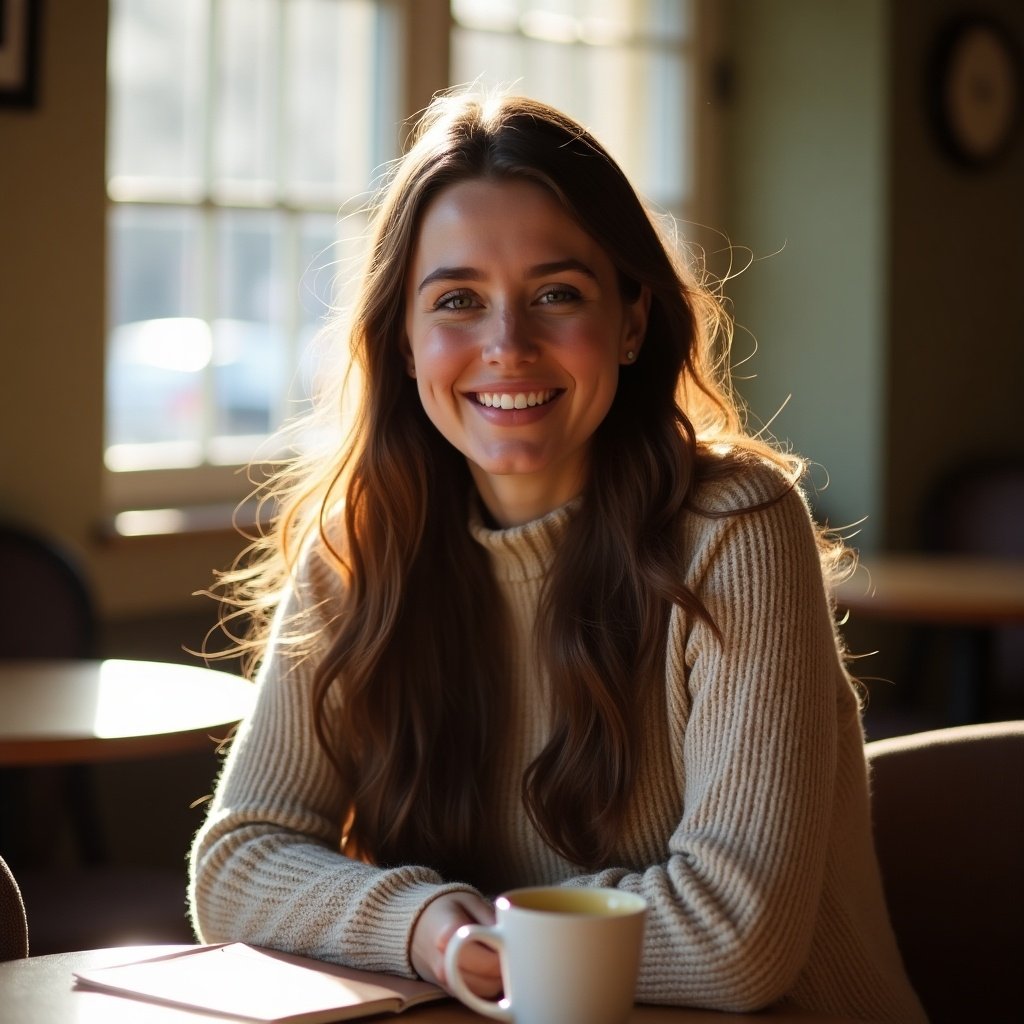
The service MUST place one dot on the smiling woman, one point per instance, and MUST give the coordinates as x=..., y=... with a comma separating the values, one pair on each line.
x=520, y=619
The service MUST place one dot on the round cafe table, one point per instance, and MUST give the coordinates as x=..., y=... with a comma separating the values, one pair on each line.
x=62, y=712
x=966, y=597
x=945, y=590
x=40, y=990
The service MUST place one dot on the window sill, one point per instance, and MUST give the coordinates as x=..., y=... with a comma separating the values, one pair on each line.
x=227, y=518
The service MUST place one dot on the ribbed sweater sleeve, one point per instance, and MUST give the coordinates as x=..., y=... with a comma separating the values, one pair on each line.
x=267, y=867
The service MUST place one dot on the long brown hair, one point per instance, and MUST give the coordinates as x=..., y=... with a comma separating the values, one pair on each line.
x=419, y=642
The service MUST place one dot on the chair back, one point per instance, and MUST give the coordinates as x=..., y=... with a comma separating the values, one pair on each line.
x=948, y=810
x=13, y=922
x=48, y=609
x=48, y=612
x=978, y=509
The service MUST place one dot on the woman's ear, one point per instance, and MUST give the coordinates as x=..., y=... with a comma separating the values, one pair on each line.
x=635, y=327
x=406, y=350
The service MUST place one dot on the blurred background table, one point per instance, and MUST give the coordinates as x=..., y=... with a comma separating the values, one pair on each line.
x=70, y=711
x=935, y=588
x=63, y=720
x=967, y=610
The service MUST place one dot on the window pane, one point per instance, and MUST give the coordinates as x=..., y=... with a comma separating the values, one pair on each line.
x=584, y=20
x=159, y=347
x=247, y=87
x=649, y=134
x=155, y=387
x=620, y=67
x=318, y=267
x=499, y=14
x=249, y=357
x=332, y=100
x=154, y=270
x=333, y=253
x=603, y=87
x=488, y=58
x=671, y=19
x=157, y=72
x=669, y=166
x=317, y=270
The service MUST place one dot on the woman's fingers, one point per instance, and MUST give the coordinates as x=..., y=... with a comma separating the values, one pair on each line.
x=483, y=985
x=480, y=968
x=438, y=922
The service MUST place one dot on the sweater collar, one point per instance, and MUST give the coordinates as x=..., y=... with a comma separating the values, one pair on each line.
x=522, y=552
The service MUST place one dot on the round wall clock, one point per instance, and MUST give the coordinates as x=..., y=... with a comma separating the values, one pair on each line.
x=976, y=85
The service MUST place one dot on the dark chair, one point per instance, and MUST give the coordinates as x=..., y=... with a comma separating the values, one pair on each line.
x=13, y=923
x=48, y=608
x=48, y=613
x=948, y=810
x=977, y=509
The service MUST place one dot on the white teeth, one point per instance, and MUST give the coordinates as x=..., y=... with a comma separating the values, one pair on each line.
x=520, y=400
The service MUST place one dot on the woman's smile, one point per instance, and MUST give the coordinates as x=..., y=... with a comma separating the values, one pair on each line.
x=519, y=400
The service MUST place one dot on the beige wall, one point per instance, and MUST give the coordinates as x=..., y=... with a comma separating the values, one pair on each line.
x=806, y=195
x=51, y=280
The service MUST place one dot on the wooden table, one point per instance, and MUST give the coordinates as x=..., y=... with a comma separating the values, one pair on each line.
x=938, y=589
x=968, y=597
x=40, y=991
x=62, y=712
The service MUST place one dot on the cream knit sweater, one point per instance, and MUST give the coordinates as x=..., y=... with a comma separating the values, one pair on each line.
x=749, y=831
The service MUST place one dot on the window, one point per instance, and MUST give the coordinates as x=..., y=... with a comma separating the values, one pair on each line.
x=238, y=129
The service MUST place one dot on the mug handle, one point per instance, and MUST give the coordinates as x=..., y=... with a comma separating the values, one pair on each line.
x=489, y=936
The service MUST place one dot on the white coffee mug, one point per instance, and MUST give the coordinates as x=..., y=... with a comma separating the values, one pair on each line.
x=568, y=955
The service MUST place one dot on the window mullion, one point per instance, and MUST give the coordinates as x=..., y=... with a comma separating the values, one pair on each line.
x=288, y=257
x=211, y=222
x=282, y=97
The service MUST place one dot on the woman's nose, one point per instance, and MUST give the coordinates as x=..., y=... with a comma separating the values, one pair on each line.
x=509, y=341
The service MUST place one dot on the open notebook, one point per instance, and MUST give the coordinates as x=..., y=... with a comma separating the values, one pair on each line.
x=238, y=980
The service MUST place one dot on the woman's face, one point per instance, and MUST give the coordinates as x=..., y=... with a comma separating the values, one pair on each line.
x=515, y=331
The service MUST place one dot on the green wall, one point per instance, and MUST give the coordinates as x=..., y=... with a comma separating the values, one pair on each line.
x=884, y=295
x=806, y=193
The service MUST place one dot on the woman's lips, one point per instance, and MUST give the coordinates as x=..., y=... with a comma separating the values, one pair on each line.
x=515, y=408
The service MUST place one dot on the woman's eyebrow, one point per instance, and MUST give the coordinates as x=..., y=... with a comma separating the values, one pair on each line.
x=539, y=270
x=450, y=274
x=558, y=266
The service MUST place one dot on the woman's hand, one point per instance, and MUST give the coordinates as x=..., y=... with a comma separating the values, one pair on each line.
x=441, y=919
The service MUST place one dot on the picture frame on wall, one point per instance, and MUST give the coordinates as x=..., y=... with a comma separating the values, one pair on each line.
x=19, y=52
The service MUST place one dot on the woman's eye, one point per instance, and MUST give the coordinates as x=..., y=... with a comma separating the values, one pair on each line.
x=552, y=295
x=455, y=300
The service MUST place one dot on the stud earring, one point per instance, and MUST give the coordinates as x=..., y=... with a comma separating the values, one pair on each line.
x=630, y=356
